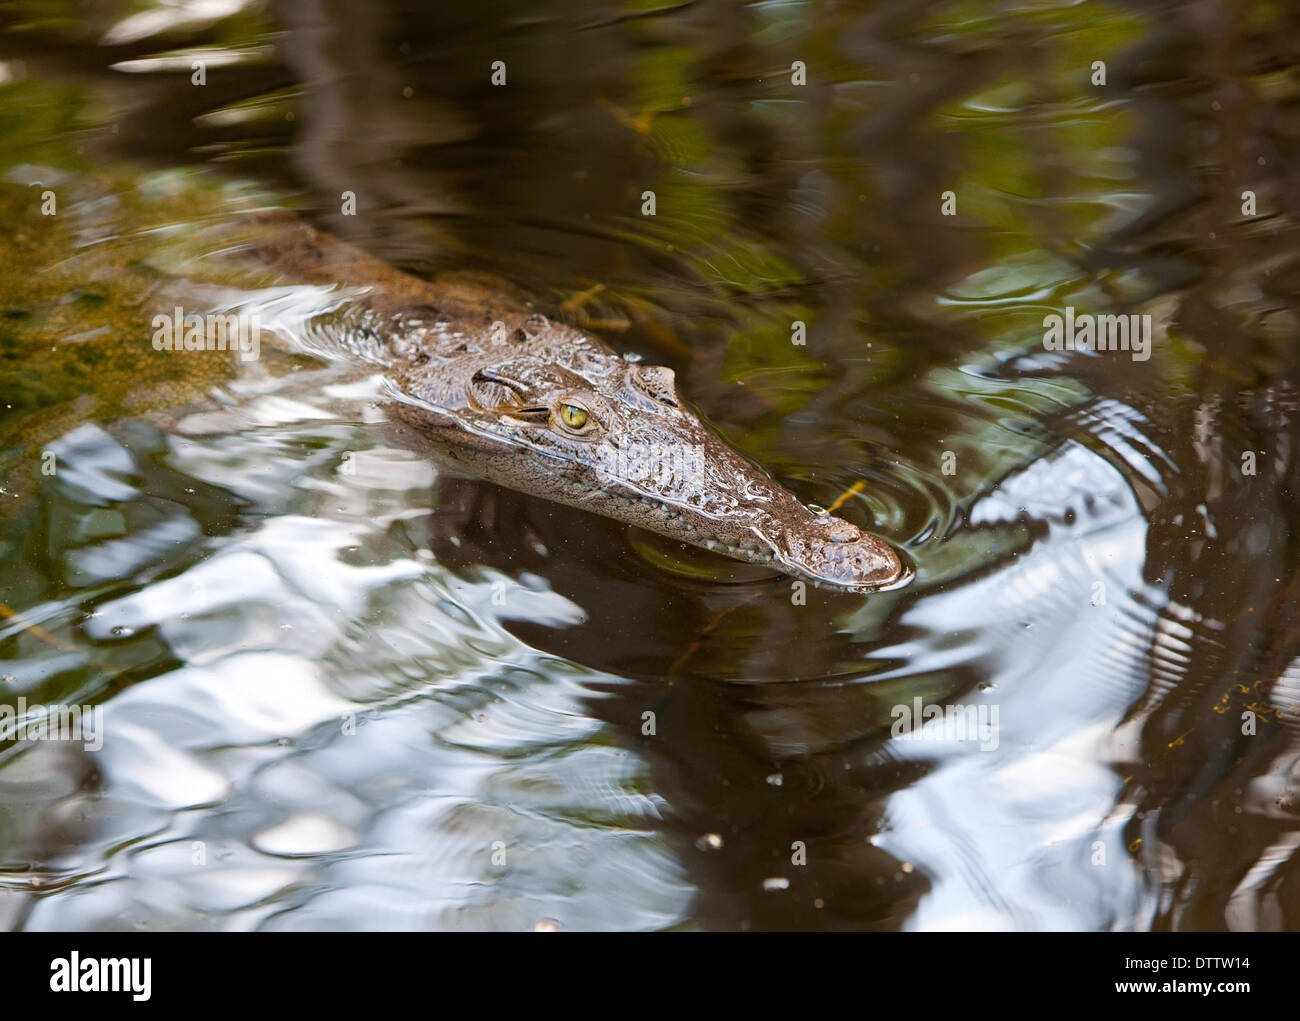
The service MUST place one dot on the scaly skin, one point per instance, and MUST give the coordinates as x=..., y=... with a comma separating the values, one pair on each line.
x=545, y=409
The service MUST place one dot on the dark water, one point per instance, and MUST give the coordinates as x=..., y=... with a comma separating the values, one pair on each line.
x=341, y=690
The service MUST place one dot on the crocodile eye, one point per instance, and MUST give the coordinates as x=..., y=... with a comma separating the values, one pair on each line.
x=573, y=416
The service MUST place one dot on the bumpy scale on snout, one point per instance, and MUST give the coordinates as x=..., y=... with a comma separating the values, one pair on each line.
x=539, y=407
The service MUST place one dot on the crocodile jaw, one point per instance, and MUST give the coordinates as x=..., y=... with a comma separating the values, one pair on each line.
x=776, y=531
x=818, y=547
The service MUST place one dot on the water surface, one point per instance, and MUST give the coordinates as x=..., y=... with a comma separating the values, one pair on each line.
x=344, y=689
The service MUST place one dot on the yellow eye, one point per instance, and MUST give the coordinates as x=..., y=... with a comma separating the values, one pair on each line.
x=573, y=416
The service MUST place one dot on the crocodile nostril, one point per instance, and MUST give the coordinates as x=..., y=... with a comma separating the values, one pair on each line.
x=844, y=531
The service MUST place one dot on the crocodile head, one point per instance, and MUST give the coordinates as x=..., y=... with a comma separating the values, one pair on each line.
x=543, y=408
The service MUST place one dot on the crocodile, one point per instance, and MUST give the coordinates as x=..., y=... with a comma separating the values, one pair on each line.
x=489, y=384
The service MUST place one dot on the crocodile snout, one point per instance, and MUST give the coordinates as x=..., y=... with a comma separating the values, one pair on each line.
x=836, y=552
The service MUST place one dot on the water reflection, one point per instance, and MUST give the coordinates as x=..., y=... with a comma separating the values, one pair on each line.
x=344, y=689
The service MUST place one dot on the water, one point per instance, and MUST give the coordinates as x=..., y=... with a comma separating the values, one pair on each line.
x=343, y=689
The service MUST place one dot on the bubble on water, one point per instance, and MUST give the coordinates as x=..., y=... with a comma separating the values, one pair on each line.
x=710, y=842
x=775, y=779
x=774, y=883
x=121, y=631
